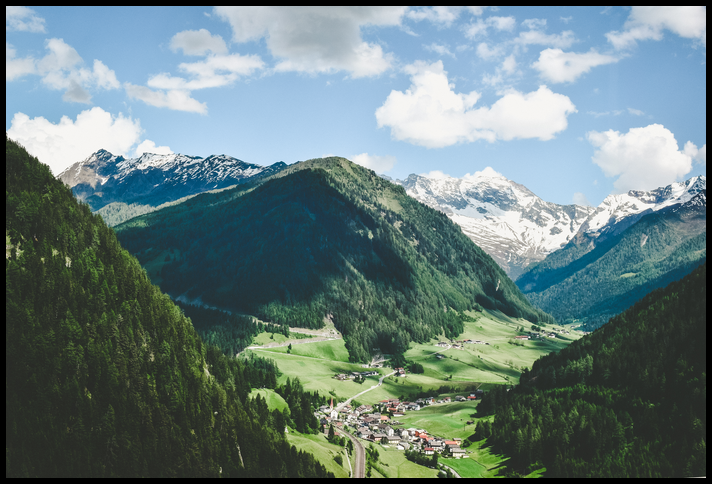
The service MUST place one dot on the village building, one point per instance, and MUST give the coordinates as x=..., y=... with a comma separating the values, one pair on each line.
x=428, y=451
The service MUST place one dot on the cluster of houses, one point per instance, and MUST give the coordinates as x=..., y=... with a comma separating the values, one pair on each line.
x=373, y=423
x=460, y=344
x=355, y=374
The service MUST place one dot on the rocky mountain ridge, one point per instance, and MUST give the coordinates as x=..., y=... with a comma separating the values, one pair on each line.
x=517, y=228
x=152, y=179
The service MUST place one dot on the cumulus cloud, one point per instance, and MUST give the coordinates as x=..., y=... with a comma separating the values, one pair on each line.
x=15, y=68
x=23, y=19
x=697, y=155
x=442, y=15
x=316, y=39
x=484, y=51
x=480, y=27
x=558, y=66
x=60, y=70
x=648, y=23
x=643, y=158
x=175, y=99
x=487, y=172
x=379, y=164
x=214, y=71
x=66, y=142
x=148, y=146
x=198, y=42
x=430, y=113
x=580, y=199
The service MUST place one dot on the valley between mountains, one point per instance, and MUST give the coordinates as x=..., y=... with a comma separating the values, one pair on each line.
x=336, y=306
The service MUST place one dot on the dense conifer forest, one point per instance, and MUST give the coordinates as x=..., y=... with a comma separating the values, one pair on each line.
x=105, y=376
x=629, y=400
x=324, y=240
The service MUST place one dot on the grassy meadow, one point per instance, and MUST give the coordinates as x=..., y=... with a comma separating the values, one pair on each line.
x=324, y=451
x=274, y=400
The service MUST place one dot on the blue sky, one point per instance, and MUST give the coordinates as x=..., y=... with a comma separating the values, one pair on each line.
x=574, y=103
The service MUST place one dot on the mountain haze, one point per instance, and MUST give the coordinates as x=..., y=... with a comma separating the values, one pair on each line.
x=325, y=239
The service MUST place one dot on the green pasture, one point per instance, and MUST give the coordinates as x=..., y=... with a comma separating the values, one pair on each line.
x=392, y=463
x=316, y=373
x=274, y=400
x=466, y=467
x=333, y=350
x=322, y=450
x=448, y=420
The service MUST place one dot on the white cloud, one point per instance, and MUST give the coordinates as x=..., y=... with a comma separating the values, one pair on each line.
x=566, y=20
x=487, y=172
x=148, y=146
x=698, y=155
x=580, y=199
x=636, y=112
x=431, y=114
x=509, y=65
x=15, y=68
x=480, y=27
x=214, y=71
x=175, y=99
x=439, y=49
x=648, y=23
x=443, y=15
x=23, y=19
x=316, y=39
x=562, y=40
x=558, y=66
x=502, y=23
x=59, y=145
x=642, y=159
x=379, y=164
x=534, y=23
x=60, y=71
x=484, y=52
x=198, y=42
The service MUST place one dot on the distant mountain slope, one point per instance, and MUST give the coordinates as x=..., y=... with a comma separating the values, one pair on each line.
x=628, y=400
x=325, y=238
x=607, y=267
x=104, y=375
x=154, y=179
x=504, y=218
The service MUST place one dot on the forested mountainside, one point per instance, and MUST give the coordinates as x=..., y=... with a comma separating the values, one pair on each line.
x=105, y=376
x=629, y=400
x=593, y=280
x=325, y=239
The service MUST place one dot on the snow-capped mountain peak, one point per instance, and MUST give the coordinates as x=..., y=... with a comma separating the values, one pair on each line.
x=103, y=178
x=506, y=219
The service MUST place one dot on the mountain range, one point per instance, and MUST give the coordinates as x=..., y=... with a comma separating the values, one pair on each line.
x=152, y=179
x=505, y=218
x=325, y=239
x=517, y=228
x=551, y=250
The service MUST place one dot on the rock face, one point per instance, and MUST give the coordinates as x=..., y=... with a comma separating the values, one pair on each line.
x=511, y=224
x=153, y=179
